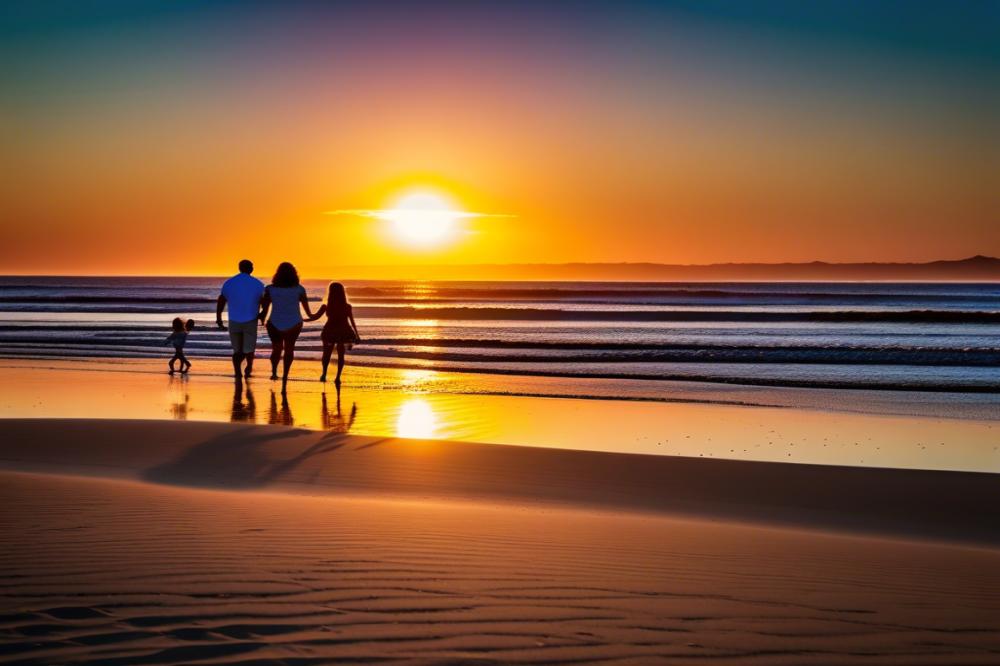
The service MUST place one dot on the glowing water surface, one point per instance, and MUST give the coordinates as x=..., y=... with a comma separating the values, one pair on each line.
x=424, y=404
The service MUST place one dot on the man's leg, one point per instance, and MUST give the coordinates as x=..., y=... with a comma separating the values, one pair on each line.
x=249, y=346
x=236, y=339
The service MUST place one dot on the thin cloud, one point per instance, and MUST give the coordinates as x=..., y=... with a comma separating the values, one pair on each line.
x=386, y=213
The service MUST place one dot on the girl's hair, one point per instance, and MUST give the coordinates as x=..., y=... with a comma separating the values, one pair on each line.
x=336, y=299
x=285, y=276
x=178, y=324
x=189, y=324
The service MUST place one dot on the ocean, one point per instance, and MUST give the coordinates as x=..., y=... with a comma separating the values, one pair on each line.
x=921, y=336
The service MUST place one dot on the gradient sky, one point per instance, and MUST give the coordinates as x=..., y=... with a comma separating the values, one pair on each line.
x=176, y=137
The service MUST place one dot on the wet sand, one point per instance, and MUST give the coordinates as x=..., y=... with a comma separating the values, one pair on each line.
x=740, y=423
x=159, y=542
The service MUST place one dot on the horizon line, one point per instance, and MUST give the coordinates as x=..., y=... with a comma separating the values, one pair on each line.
x=584, y=265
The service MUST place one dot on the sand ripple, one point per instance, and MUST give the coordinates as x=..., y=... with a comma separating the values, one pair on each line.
x=115, y=572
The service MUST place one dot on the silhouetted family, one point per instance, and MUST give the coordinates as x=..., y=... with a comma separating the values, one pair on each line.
x=249, y=303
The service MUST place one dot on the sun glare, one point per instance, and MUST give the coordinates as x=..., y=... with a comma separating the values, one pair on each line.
x=423, y=219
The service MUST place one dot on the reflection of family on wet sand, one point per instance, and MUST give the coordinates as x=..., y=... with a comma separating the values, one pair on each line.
x=244, y=410
x=250, y=302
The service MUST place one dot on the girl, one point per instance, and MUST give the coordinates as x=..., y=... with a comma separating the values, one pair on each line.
x=283, y=297
x=340, y=331
x=177, y=338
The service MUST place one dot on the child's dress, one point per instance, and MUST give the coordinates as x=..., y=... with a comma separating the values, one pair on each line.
x=177, y=339
x=337, y=329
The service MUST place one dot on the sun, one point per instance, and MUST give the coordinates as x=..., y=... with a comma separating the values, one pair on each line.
x=423, y=219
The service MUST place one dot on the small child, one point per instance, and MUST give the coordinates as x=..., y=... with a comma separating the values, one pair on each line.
x=177, y=338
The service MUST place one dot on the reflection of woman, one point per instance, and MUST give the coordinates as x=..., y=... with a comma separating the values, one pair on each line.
x=283, y=297
x=281, y=416
x=340, y=331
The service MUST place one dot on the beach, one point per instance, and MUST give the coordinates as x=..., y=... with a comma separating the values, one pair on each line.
x=260, y=578
x=150, y=519
x=156, y=542
x=749, y=473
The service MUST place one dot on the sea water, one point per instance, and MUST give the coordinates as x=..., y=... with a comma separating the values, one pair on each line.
x=925, y=336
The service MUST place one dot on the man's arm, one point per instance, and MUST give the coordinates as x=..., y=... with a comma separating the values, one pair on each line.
x=219, y=307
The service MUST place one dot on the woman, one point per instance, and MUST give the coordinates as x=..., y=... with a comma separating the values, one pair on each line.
x=340, y=331
x=283, y=297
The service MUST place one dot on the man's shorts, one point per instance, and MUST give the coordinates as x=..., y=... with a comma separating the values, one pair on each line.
x=243, y=335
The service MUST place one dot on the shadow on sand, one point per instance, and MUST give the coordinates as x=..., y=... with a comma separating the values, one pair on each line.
x=246, y=458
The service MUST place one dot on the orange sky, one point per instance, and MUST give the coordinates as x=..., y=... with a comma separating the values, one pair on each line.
x=177, y=145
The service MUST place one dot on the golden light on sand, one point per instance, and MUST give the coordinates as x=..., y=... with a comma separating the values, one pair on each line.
x=416, y=420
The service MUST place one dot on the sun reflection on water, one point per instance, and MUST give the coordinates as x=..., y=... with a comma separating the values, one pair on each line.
x=420, y=323
x=416, y=420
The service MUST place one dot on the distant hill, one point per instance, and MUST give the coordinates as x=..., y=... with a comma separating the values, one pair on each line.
x=973, y=269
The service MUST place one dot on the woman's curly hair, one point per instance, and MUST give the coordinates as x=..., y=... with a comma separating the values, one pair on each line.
x=285, y=276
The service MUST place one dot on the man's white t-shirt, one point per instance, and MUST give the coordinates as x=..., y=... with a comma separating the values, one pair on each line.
x=243, y=293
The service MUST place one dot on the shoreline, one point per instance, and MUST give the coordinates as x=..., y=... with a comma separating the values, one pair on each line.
x=975, y=405
x=447, y=366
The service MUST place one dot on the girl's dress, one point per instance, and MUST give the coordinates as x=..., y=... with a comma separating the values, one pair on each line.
x=337, y=329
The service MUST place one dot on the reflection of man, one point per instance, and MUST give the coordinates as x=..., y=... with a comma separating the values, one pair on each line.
x=241, y=412
x=242, y=293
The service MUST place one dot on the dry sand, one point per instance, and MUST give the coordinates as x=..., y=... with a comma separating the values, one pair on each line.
x=159, y=542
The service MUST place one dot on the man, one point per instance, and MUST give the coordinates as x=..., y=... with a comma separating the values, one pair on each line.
x=242, y=293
